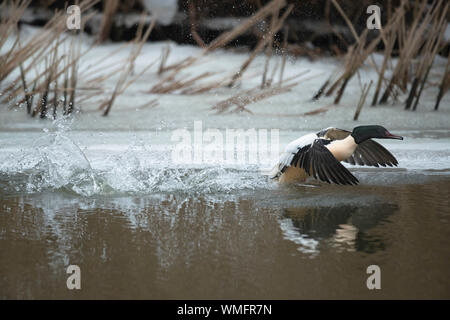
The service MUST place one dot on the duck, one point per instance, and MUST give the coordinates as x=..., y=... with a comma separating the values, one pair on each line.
x=319, y=155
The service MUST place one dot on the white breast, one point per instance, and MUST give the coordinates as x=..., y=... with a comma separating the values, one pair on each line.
x=342, y=149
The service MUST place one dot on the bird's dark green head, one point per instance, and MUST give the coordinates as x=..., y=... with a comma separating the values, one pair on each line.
x=362, y=133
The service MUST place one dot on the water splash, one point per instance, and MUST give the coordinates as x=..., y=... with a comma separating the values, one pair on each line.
x=57, y=162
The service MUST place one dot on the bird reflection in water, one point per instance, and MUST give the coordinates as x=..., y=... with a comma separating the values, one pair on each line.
x=344, y=227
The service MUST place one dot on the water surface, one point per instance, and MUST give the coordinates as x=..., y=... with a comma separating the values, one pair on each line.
x=140, y=227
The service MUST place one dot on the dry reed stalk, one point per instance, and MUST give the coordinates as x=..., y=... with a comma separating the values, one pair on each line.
x=102, y=77
x=347, y=20
x=445, y=84
x=39, y=43
x=261, y=44
x=55, y=91
x=109, y=10
x=43, y=74
x=168, y=83
x=15, y=90
x=53, y=78
x=241, y=100
x=98, y=63
x=246, y=97
x=411, y=40
x=418, y=73
x=9, y=21
x=122, y=89
x=429, y=52
x=193, y=22
x=136, y=50
x=355, y=59
x=73, y=79
x=284, y=55
x=206, y=87
x=41, y=48
x=269, y=81
x=25, y=89
x=66, y=84
x=389, y=45
x=136, y=77
x=261, y=14
x=38, y=56
x=325, y=85
x=185, y=82
x=321, y=90
x=9, y=25
x=150, y=104
x=318, y=111
x=164, y=56
x=176, y=68
x=362, y=99
x=389, y=38
x=86, y=97
x=44, y=101
x=74, y=75
x=264, y=81
x=269, y=48
x=356, y=56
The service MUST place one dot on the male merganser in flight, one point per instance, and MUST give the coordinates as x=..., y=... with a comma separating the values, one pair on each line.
x=319, y=155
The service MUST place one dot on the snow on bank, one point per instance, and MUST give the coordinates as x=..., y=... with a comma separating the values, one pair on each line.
x=283, y=111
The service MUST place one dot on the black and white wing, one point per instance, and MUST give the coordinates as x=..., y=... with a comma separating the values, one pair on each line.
x=371, y=153
x=310, y=154
x=367, y=153
x=320, y=163
x=290, y=151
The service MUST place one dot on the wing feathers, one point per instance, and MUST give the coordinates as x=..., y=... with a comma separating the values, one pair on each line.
x=318, y=162
x=371, y=153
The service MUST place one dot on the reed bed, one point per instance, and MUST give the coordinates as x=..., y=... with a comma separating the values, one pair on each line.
x=46, y=75
x=49, y=65
x=43, y=49
x=416, y=44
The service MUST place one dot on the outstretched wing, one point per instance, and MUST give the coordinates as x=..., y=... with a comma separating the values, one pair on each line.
x=371, y=153
x=289, y=152
x=367, y=153
x=320, y=163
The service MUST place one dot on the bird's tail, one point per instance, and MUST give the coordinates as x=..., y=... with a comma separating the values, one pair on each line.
x=275, y=173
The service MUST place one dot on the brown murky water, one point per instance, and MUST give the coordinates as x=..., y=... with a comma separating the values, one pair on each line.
x=289, y=243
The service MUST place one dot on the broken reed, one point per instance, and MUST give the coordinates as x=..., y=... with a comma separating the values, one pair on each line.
x=246, y=97
x=416, y=44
